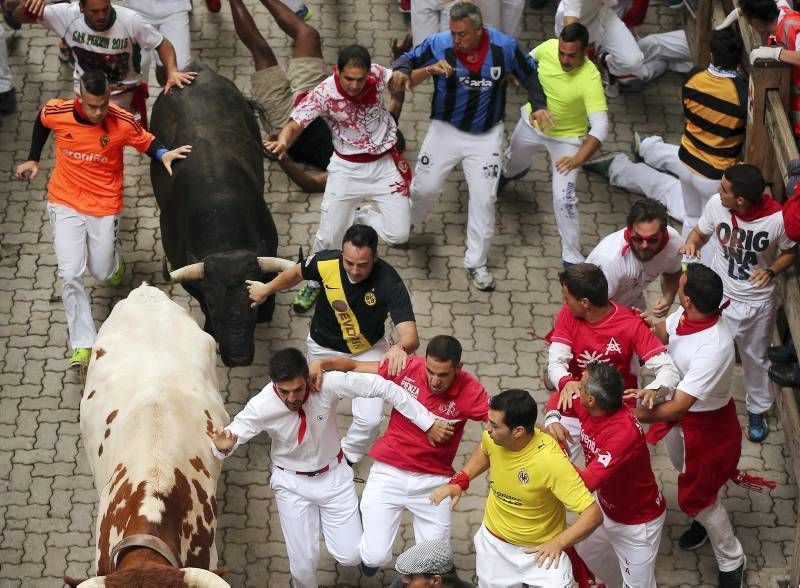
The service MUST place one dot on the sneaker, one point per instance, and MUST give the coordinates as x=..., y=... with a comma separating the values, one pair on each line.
x=636, y=147
x=80, y=357
x=601, y=167
x=782, y=354
x=8, y=102
x=481, y=278
x=304, y=13
x=757, y=428
x=306, y=298
x=693, y=538
x=405, y=6
x=734, y=578
x=368, y=571
x=119, y=274
x=214, y=5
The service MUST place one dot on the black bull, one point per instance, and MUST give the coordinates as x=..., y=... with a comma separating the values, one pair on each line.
x=214, y=221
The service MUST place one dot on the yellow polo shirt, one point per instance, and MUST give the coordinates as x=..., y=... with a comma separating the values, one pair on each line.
x=529, y=490
x=571, y=95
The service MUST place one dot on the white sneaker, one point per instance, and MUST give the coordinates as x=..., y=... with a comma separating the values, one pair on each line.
x=481, y=278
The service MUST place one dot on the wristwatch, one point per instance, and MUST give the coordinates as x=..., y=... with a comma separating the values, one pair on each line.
x=771, y=273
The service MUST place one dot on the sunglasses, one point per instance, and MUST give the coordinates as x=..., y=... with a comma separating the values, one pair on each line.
x=650, y=240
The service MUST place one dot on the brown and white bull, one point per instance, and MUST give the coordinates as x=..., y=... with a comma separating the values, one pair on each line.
x=151, y=386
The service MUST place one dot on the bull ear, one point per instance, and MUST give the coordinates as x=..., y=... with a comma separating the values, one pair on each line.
x=165, y=270
x=270, y=265
x=98, y=582
x=188, y=273
x=198, y=578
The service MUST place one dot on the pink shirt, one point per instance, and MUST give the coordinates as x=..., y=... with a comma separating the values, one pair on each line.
x=404, y=445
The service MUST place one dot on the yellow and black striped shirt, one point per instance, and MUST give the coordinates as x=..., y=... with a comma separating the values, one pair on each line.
x=715, y=108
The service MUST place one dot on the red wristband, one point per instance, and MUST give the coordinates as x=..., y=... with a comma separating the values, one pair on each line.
x=460, y=479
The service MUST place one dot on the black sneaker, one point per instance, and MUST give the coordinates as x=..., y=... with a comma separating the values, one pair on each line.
x=734, y=578
x=693, y=538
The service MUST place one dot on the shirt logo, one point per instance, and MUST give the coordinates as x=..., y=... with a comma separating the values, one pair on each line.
x=449, y=409
x=523, y=476
x=68, y=135
x=495, y=72
x=410, y=386
x=604, y=458
x=92, y=157
x=369, y=299
x=613, y=347
x=104, y=140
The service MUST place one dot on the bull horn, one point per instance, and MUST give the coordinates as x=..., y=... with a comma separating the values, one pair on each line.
x=188, y=273
x=199, y=578
x=98, y=582
x=270, y=265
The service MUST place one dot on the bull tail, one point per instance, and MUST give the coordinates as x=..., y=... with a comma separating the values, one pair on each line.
x=261, y=116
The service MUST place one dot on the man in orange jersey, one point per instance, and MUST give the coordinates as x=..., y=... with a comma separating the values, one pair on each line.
x=85, y=192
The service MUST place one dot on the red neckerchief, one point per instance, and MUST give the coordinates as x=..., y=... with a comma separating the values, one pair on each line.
x=479, y=54
x=627, y=236
x=368, y=96
x=686, y=326
x=765, y=207
x=301, y=415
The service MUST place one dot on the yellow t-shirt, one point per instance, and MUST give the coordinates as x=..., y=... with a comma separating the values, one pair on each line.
x=571, y=95
x=529, y=489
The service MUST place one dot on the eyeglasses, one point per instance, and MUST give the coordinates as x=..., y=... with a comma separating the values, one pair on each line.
x=650, y=240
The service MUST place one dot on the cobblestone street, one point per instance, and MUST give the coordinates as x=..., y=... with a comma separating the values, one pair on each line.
x=47, y=494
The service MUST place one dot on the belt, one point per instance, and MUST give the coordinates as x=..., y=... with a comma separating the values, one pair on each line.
x=339, y=458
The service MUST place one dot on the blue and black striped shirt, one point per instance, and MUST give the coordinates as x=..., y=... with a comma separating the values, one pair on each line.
x=474, y=102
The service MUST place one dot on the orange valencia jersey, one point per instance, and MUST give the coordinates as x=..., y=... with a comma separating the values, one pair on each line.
x=88, y=172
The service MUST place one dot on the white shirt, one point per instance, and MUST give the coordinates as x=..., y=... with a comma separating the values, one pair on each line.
x=321, y=443
x=115, y=51
x=157, y=9
x=355, y=129
x=627, y=276
x=705, y=362
x=587, y=10
x=757, y=244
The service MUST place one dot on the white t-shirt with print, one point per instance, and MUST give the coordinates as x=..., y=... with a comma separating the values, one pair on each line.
x=737, y=254
x=116, y=51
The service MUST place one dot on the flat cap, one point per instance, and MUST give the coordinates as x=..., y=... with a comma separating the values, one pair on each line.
x=428, y=557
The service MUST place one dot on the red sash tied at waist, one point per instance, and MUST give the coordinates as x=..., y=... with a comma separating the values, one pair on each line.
x=404, y=169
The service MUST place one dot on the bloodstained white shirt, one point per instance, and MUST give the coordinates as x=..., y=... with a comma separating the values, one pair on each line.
x=355, y=129
x=321, y=443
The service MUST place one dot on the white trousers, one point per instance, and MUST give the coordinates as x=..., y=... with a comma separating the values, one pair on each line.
x=726, y=547
x=429, y=17
x=504, y=15
x=610, y=35
x=501, y=565
x=367, y=412
x=390, y=490
x=696, y=189
x=664, y=52
x=445, y=147
x=348, y=185
x=82, y=242
x=751, y=324
x=623, y=555
x=525, y=143
x=175, y=27
x=306, y=503
x=640, y=178
x=5, y=71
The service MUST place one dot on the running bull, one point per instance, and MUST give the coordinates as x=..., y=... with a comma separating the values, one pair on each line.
x=151, y=390
x=215, y=226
